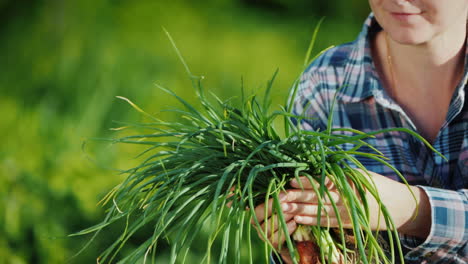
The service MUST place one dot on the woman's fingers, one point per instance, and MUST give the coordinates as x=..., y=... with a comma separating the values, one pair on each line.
x=272, y=224
x=313, y=220
x=308, y=214
x=278, y=237
x=260, y=210
x=308, y=184
x=230, y=194
x=309, y=196
x=306, y=209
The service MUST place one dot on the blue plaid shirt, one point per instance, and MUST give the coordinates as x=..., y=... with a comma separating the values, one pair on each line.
x=362, y=103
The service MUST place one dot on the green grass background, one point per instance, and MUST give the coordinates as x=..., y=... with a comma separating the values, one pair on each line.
x=63, y=63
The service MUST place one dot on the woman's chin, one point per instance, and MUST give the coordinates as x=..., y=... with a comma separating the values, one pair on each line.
x=412, y=38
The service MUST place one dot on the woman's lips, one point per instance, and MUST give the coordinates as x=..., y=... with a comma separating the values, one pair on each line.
x=405, y=17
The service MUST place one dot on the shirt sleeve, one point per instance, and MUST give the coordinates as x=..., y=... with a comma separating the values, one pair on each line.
x=447, y=240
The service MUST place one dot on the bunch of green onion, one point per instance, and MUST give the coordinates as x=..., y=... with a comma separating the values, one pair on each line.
x=222, y=154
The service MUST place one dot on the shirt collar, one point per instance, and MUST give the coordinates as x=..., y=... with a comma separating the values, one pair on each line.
x=360, y=75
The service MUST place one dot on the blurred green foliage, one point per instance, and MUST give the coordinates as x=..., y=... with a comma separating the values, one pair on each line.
x=63, y=63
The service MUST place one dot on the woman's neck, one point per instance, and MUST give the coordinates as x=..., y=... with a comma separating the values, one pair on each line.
x=439, y=61
x=421, y=78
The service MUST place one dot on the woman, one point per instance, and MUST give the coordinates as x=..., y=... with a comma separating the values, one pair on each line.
x=407, y=68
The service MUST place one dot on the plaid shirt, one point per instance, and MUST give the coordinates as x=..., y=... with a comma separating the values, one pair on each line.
x=362, y=103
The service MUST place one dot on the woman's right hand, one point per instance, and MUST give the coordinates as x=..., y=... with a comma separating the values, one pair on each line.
x=273, y=232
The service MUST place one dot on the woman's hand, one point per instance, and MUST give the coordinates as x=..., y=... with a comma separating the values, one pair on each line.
x=301, y=207
x=303, y=204
x=270, y=227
